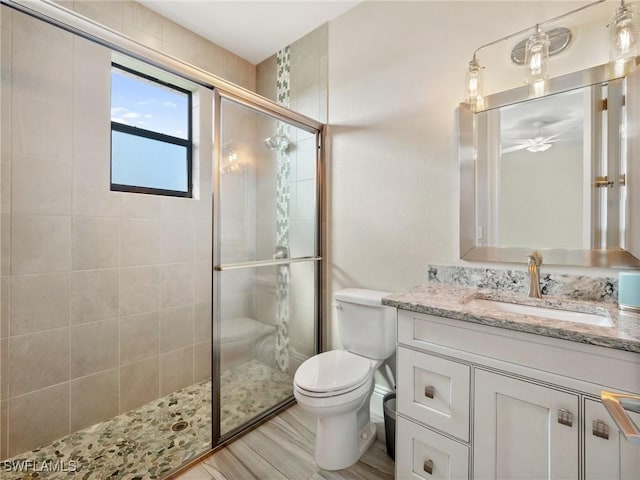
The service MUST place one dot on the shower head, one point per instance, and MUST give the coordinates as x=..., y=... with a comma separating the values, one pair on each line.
x=276, y=142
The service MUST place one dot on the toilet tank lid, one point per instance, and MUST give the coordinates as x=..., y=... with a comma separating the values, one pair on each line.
x=361, y=296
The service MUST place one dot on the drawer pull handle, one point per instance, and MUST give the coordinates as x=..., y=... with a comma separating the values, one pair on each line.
x=600, y=429
x=429, y=391
x=428, y=466
x=565, y=417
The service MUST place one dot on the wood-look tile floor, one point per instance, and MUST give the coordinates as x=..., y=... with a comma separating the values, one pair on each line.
x=282, y=449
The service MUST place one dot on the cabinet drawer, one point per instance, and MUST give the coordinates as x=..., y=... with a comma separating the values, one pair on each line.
x=424, y=454
x=434, y=391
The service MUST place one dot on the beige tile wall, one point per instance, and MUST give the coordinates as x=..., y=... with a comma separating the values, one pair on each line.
x=105, y=296
x=153, y=30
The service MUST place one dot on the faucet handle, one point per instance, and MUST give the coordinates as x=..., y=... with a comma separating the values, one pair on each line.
x=535, y=259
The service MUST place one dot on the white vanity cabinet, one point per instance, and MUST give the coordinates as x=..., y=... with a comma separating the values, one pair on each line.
x=480, y=402
x=524, y=430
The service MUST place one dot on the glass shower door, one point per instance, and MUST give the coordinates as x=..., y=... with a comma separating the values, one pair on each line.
x=266, y=260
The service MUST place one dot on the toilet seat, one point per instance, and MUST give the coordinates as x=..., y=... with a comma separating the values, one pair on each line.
x=333, y=373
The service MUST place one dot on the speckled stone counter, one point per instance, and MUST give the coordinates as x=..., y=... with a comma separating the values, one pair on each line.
x=453, y=301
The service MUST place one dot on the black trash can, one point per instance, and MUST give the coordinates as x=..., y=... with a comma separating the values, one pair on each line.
x=389, y=408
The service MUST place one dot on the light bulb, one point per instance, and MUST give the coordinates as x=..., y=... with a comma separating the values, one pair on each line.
x=623, y=33
x=473, y=85
x=537, y=57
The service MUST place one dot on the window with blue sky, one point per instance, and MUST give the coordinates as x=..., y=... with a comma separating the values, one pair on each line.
x=150, y=135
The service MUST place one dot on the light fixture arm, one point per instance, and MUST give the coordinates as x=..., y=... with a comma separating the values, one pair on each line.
x=538, y=25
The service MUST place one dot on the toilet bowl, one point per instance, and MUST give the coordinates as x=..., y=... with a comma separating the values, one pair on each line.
x=336, y=386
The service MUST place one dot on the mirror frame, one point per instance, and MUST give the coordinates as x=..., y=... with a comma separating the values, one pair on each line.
x=469, y=250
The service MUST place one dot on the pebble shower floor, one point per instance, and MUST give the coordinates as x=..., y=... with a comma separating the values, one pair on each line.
x=140, y=444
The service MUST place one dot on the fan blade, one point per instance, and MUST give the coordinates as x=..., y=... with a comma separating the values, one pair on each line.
x=514, y=149
x=546, y=139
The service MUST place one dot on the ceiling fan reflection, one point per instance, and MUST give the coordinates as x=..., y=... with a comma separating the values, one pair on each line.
x=538, y=143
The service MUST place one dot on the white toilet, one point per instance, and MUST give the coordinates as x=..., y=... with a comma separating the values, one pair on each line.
x=336, y=386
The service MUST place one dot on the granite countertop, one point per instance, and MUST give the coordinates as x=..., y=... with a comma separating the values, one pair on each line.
x=452, y=301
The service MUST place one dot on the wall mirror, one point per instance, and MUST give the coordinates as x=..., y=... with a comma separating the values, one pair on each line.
x=558, y=173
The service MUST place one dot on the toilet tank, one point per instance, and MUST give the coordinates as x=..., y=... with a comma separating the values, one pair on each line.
x=366, y=327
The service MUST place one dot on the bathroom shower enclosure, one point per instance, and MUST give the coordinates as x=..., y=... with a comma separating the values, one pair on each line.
x=139, y=331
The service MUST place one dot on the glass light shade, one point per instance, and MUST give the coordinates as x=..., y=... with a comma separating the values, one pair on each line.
x=536, y=59
x=624, y=30
x=473, y=85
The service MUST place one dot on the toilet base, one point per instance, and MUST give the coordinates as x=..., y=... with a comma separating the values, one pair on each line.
x=337, y=455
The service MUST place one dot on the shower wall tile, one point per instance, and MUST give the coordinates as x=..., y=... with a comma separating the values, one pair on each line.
x=39, y=302
x=4, y=427
x=38, y=360
x=176, y=244
x=40, y=127
x=139, y=19
x=202, y=281
x=94, y=399
x=94, y=347
x=95, y=243
x=139, y=290
x=41, y=187
x=134, y=205
x=176, y=370
x=91, y=191
x=40, y=244
x=139, y=383
x=5, y=171
x=176, y=282
x=47, y=47
x=5, y=310
x=109, y=13
x=176, y=328
x=203, y=235
x=202, y=322
x=94, y=295
x=5, y=243
x=91, y=79
x=301, y=328
x=176, y=208
x=4, y=369
x=302, y=236
x=305, y=201
x=305, y=159
x=139, y=337
x=38, y=418
x=6, y=19
x=202, y=361
x=140, y=242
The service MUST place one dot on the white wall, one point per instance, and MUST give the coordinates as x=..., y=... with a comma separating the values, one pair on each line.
x=396, y=76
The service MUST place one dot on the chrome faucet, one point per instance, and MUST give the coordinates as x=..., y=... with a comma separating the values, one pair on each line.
x=535, y=260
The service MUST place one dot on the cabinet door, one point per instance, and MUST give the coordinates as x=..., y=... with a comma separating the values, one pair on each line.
x=607, y=455
x=523, y=430
x=422, y=454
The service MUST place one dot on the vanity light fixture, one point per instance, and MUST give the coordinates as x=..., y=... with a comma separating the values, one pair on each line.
x=540, y=45
x=537, y=62
x=473, y=85
x=623, y=33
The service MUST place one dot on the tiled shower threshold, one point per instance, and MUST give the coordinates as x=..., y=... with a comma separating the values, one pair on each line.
x=141, y=445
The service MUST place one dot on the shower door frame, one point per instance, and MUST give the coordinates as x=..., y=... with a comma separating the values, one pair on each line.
x=76, y=24
x=259, y=107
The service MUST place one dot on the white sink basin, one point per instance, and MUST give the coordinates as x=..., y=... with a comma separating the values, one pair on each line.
x=599, y=320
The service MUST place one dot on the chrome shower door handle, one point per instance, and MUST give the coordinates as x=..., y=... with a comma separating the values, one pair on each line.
x=617, y=404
